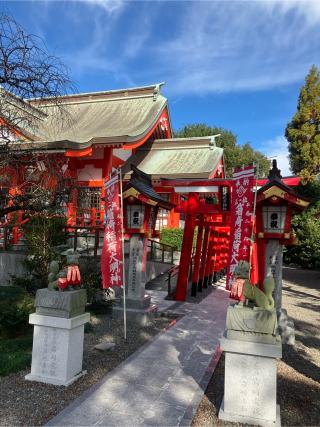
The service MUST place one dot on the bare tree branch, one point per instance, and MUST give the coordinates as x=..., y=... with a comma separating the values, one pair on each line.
x=28, y=71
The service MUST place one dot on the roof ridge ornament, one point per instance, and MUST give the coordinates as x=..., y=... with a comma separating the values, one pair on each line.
x=156, y=92
x=274, y=173
x=212, y=143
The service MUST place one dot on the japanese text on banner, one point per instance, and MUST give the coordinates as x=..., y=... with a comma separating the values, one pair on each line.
x=241, y=220
x=111, y=256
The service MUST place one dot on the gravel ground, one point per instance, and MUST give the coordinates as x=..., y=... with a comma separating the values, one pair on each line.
x=298, y=372
x=24, y=403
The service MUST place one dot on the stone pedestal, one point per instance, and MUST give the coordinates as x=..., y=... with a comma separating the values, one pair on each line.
x=57, y=348
x=139, y=307
x=141, y=317
x=251, y=324
x=250, y=382
x=61, y=304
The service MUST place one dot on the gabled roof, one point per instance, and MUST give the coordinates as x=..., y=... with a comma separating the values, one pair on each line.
x=177, y=157
x=113, y=117
x=141, y=182
x=276, y=189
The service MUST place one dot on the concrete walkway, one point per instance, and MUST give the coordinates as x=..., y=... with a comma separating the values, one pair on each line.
x=163, y=383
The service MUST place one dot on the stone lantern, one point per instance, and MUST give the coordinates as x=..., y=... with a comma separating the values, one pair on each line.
x=141, y=204
x=276, y=202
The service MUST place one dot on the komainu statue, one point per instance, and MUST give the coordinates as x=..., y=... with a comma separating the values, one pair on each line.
x=67, y=278
x=254, y=317
x=252, y=292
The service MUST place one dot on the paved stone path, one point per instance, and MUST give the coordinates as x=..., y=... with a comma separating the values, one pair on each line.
x=163, y=383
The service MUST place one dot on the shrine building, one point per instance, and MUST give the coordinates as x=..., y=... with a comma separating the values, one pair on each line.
x=101, y=131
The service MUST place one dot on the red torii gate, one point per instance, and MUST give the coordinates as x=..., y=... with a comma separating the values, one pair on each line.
x=213, y=222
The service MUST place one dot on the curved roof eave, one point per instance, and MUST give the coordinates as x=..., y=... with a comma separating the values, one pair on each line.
x=129, y=141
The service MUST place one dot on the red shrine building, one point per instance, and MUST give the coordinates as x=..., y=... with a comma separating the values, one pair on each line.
x=127, y=129
x=101, y=131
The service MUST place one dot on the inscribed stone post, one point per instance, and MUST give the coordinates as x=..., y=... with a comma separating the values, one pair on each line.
x=274, y=256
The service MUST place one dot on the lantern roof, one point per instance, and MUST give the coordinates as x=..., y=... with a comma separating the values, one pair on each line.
x=276, y=189
x=178, y=158
x=140, y=187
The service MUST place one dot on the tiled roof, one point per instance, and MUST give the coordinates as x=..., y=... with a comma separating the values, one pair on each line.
x=121, y=116
x=178, y=157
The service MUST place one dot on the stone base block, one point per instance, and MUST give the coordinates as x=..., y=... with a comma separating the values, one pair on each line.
x=138, y=303
x=57, y=350
x=229, y=416
x=61, y=304
x=250, y=391
x=49, y=380
x=140, y=316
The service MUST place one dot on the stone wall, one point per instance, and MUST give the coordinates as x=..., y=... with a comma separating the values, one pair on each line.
x=11, y=264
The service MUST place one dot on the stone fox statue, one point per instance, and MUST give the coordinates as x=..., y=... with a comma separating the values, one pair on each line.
x=67, y=277
x=261, y=298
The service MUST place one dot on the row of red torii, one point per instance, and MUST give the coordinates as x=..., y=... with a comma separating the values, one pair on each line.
x=209, y=255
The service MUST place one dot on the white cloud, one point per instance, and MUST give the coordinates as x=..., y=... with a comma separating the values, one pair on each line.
x=199, y=47
x=277, y=148
x=244, y=45
x=110, y=6
x=310, y=9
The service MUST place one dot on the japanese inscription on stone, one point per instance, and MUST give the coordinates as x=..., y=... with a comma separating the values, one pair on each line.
x=48, y=352
x=135, y=267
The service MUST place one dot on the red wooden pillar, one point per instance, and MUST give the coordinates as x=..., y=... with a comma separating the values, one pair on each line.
x=107, y=162
x=214, y=257
x=203, y=257
x=208, y=260
x=186, y=250
x=197, y=257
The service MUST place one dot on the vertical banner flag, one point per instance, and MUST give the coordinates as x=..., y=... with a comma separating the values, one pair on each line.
x=241, y=220
x=111, y=256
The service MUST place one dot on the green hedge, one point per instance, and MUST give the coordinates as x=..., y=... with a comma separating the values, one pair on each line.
x=172, y=236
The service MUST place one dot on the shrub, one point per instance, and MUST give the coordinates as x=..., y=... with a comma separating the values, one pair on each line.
x=15, y=307
x=172, y=236
x=42, y=235
x=9, y=294
x=307, y=251
x=91, y=277
x=28, y=283
x=15, y=354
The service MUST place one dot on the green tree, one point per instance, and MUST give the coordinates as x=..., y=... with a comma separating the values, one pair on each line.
x=235, y=155
x=303, y=132
x=307, y=228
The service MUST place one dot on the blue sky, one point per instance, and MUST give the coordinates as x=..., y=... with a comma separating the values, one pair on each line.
x=235, y=64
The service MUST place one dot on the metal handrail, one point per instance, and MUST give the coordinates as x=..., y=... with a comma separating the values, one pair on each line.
x=163, y=247
x=93, y=229
x=75, y=233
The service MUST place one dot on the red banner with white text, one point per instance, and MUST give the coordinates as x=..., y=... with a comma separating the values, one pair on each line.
x=241, y=221
x=111, y=256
